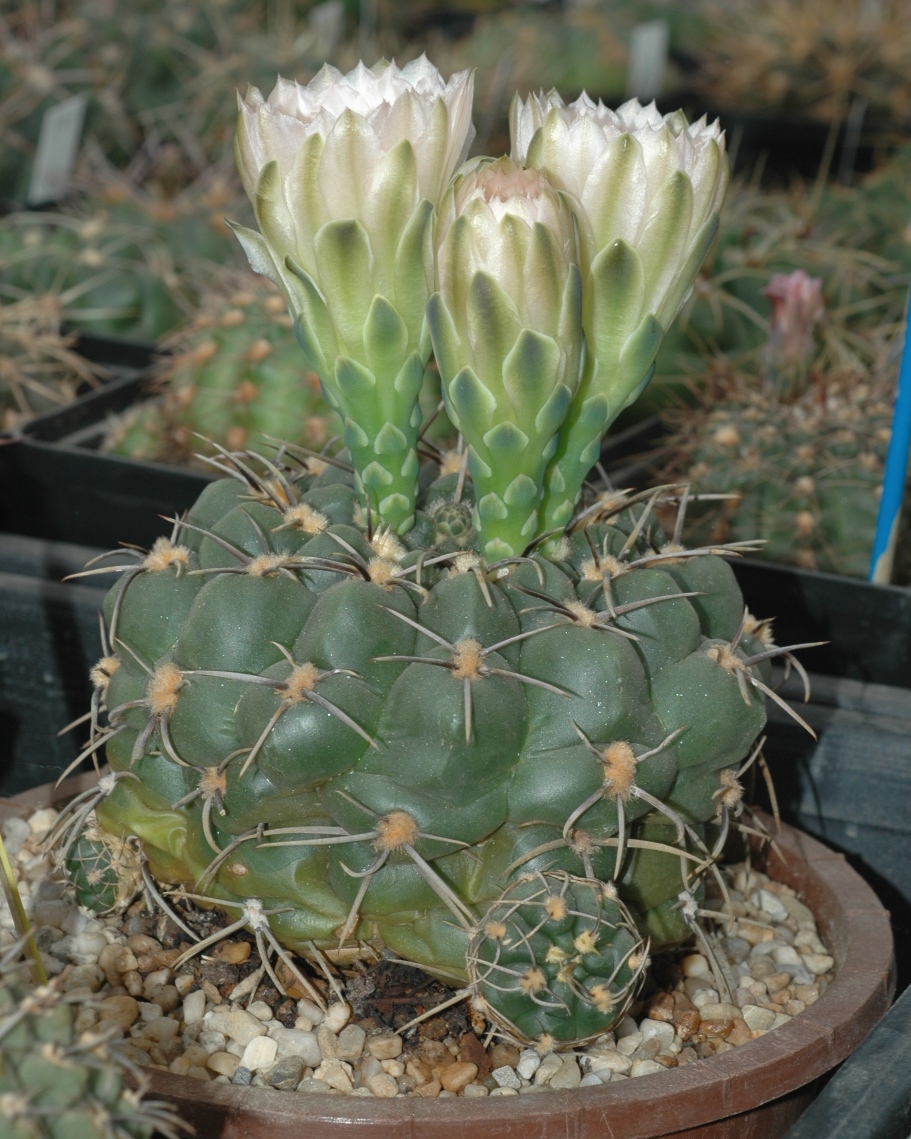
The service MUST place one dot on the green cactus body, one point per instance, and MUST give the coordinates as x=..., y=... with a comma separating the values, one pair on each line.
x=355, y=737
x=56, y=1083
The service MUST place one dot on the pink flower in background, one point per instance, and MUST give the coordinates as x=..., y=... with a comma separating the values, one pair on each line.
x=797, y=307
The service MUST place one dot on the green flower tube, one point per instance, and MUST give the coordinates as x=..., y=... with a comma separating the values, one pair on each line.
x=345, y=175
x=647, y=190
x=506, y=325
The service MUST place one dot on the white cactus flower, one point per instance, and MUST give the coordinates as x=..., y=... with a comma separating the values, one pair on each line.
x=368, y=145
x=507, y=334
x=647, y=189
x=623, y=170
x=345, y=175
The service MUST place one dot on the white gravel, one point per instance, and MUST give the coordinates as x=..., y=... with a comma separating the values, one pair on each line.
x=772, y=960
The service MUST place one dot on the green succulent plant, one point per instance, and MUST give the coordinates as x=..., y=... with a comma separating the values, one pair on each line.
x=457, y=709
x=59, y=1083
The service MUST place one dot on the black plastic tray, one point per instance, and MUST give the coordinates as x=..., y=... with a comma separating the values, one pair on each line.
x=56, y=486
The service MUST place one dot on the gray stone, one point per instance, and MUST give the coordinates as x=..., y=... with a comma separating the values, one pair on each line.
x=350, y=1043
x=507, y=1077
x=285, y=1074
x=293, y=1042
x=242, y=1076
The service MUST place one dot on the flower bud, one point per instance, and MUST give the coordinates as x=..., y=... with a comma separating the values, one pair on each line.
x=506, y=331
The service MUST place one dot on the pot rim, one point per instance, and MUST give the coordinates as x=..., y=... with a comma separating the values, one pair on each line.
x=851, y=918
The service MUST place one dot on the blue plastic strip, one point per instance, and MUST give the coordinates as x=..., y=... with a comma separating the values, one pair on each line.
x=896, y=471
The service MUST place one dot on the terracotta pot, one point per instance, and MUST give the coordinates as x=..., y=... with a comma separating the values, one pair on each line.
x=753, y=1092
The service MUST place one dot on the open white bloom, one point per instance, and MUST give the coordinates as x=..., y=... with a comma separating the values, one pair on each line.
x=647, y=189
x=623, y=169
x=369, y=145
x=345, y=175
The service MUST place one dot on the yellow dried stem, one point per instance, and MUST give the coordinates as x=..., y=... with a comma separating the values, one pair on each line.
x=165, y=555
x=601, y=998
x=100, y=674
x=20, y=919
x=619, y=764
x=381, y=571
x=586, y=942
x=451, y=463
x=730, y=793
x=582, y=615
x=555, y=907
x=387, y=546
x=300, y=682
x=532, y=981
x=266, y=564
x=305, y=518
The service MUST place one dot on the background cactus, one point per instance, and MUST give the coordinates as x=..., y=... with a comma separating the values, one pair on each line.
x=57, y=1082
x=803, y=474
x=232, y=375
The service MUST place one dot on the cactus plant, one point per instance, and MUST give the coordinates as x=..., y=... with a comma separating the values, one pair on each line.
x=355, y=700
x=232, y=375
x=808, y=56
x=59, y=1083
x=100, y=276
x=39, y=368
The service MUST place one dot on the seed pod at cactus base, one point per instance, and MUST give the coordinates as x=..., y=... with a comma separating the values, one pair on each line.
x=344, y=176
x=507, y=336
x=647, y=190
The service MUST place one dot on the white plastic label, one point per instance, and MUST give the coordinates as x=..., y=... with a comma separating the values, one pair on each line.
x=647, y=60
x=58, y=145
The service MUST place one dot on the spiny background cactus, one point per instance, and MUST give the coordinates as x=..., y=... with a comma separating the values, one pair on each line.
x=370, y=738
x=802, y=474
x=59, y=1083
x=39, y=368
x=809, y=56
x=233, y=375
x=101, y=276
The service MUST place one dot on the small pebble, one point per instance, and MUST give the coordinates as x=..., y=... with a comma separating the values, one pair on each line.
x=242, y=1076
x=385, y=1047
x=756, y=1018
x=529, y=1062
x=455, y=1077
x=350, y=1042
x=549, y=1066
x=383, y=1086
x=645, y=1068
x=568, y=1075
x=194, y=1007
x=507, y=1077
x=337, y=1016
x=818, y=963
